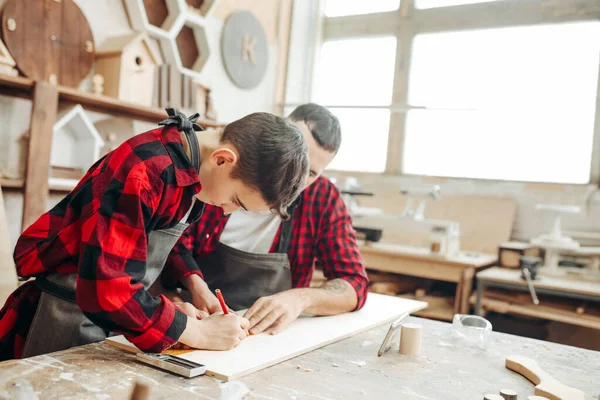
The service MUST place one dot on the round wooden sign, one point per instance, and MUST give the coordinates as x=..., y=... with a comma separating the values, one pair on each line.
x=244, y=49
x=49, y=40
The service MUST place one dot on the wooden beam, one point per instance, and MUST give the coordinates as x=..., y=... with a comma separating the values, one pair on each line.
x=283, y=54
x=43, y=117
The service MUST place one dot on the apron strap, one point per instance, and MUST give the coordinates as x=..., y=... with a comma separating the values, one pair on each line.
x=55, y=289
x=285, y=236
x=188, y=126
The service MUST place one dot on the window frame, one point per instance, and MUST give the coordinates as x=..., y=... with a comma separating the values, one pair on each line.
x=408, y=22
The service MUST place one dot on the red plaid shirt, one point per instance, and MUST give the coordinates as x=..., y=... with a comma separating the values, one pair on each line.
x=322, y=231
x=100, y=231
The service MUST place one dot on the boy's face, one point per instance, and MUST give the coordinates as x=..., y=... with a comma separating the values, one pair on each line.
x=318, y=156
x=220, y=189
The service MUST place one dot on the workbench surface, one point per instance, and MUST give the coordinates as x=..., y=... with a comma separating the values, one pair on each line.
x=349, y=369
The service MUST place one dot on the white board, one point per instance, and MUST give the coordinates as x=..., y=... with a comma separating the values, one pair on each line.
x=303, y=335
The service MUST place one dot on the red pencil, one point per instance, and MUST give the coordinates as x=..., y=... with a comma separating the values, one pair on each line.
x=220, y=297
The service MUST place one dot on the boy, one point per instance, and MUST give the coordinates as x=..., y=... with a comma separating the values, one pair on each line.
x=265, y=264
x=95, y=254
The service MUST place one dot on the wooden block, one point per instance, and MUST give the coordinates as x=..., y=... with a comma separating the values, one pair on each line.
x=492, y=397
x=508, y=394
x=410, y=339
x=538, y=398
x=43, y=116
x=174, y=87
x=546, y=385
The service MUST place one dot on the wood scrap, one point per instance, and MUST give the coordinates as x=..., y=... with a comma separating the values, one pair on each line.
x=546, y=385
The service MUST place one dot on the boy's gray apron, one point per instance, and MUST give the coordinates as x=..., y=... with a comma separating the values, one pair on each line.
x=244, y=277
x=58, y=323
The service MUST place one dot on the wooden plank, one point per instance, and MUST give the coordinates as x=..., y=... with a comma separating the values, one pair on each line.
x=424, y=254
x=561, y=284
x=175, y=78
x=302, y=336
x=413, y=267
x=108, y=105
x=283, y=52
x=540, y=311
x=43, y=117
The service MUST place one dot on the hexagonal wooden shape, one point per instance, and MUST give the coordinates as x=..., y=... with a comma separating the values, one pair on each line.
x=157, y=17
x=202, y=7
x=188, y=48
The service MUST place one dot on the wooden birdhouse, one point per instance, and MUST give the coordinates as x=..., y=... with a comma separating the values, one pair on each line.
x=76, y=146
x=128, y=66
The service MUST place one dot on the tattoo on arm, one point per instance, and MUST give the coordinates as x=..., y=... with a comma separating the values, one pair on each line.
x=335, y=286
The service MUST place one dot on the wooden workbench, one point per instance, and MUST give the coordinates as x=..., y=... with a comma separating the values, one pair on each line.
x=419, y=262
x=349, y=369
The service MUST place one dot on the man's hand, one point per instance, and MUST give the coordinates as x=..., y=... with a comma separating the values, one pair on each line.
x=202, y=298
x=276, y=312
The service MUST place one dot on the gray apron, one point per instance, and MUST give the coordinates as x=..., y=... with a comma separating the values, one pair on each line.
x=59, y=324
x=245, y=277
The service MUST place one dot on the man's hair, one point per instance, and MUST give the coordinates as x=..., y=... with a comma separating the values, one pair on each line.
x=324, y=126
x=273, y=158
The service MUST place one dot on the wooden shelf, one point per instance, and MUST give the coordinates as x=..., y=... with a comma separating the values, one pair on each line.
x=542, y=311
x=23, y=88
x=440, y=308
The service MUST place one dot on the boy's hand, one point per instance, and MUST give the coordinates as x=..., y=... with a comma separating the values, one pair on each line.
x=202, y=298
x=216, y=332
x=191, y=311
x=275, y=312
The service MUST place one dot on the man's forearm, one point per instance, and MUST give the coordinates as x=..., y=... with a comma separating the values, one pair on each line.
x=334, y=297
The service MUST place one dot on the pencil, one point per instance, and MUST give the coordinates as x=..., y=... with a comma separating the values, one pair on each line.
x=220, y=297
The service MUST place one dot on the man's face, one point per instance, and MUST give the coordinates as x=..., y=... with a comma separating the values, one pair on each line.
x=319, y=157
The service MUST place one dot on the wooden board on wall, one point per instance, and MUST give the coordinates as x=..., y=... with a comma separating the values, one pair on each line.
x=43, y=117
x=303, y=335
x=485, y=222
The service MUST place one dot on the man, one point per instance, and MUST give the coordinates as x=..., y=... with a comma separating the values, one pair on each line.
x=95, y=254
x=262, y=262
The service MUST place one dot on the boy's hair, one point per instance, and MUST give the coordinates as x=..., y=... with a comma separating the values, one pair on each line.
x=273, y=158
x=324, y=126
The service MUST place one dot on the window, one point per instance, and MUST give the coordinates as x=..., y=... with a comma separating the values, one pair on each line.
x=511, y=104
x=340, y=8
x=447, y=3
x=355, y=79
